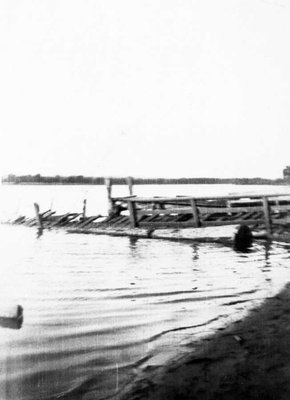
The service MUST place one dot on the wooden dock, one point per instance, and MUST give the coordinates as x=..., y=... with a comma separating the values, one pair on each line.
x=181, y=217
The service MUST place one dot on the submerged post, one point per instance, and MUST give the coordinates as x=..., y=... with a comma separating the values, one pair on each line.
x=267, y=215
x=195, y=214
x=130, y=185
x=108, y=183
x=133, y=214
x=38, y=216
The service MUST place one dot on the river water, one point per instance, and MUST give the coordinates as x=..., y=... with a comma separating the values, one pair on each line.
x=98, y=310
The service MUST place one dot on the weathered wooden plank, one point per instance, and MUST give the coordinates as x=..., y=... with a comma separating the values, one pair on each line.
x=190, y=224
x=165, y=224
x=237, y=216
x=31, y=222
x=60, y=219
x=220, y=197
x=116, y=219
x=151, y=218
x=249, y=215
x=88, y=221
x=228, y=210
x=183, y=217
x=121, y=221
x=277, y=208
x=232, y=222
x=185, y=210
x=258, y=215
x=208, y=210
x=48, y=216
x=20, y=220
x=209, y=217
x=69, y=219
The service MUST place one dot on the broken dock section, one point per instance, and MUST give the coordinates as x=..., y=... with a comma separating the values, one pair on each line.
x=181, y=217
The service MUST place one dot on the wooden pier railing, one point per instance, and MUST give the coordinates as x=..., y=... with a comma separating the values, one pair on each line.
x=187, y=211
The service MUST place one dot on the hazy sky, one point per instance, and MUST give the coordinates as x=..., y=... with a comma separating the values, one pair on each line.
x=145, y=87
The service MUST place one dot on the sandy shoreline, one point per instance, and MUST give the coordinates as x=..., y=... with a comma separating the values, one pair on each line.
x=248, y=360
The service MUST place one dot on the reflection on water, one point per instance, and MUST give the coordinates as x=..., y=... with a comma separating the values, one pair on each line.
x=98, y=309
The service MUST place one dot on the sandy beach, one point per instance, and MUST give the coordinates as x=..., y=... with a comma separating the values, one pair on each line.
x=248, y=360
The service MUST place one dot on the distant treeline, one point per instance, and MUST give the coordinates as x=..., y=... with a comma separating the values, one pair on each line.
x=87, y=180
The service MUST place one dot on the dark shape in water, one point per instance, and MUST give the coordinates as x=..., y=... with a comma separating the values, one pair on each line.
x=13, y=321
x=243, y=239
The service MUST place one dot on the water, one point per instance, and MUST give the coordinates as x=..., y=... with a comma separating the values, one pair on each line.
x=100, y=309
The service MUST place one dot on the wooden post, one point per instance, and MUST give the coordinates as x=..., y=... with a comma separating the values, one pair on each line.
x=267, y=215
x=38, y=216
x=130, y=185
x=84, y=208
x=133, y=214
x=196, y=218
x=108, y=183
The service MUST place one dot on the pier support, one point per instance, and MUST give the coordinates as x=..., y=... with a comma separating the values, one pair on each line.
x=84, y=208
x=38, y=216
x=195, y=213
x=108, y=183
x=267, y=215
x=133, y=214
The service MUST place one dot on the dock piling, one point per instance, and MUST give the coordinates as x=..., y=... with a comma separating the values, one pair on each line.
x=195, y=213
x=267, y=214
x=130, y=185
x=38, y=216
x=84, y=208
x=133, y=214
x=108, y=183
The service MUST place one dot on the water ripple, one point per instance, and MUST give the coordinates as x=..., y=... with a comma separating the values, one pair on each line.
x=97, y=309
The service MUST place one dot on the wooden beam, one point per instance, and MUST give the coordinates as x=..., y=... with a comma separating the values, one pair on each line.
x=47, y=215
x=150, y=211
x=233, y=222
x=60, y=219
x=187, y=198
x=88, y=221
x=204, y=210
x=227, y=210
x=280, y=208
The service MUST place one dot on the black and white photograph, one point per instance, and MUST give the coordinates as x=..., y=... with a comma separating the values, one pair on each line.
x=145, y=200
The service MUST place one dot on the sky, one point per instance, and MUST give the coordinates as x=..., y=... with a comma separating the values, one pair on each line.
x=147, y=88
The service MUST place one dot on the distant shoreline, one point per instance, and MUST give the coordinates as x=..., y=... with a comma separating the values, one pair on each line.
x=82, y=180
